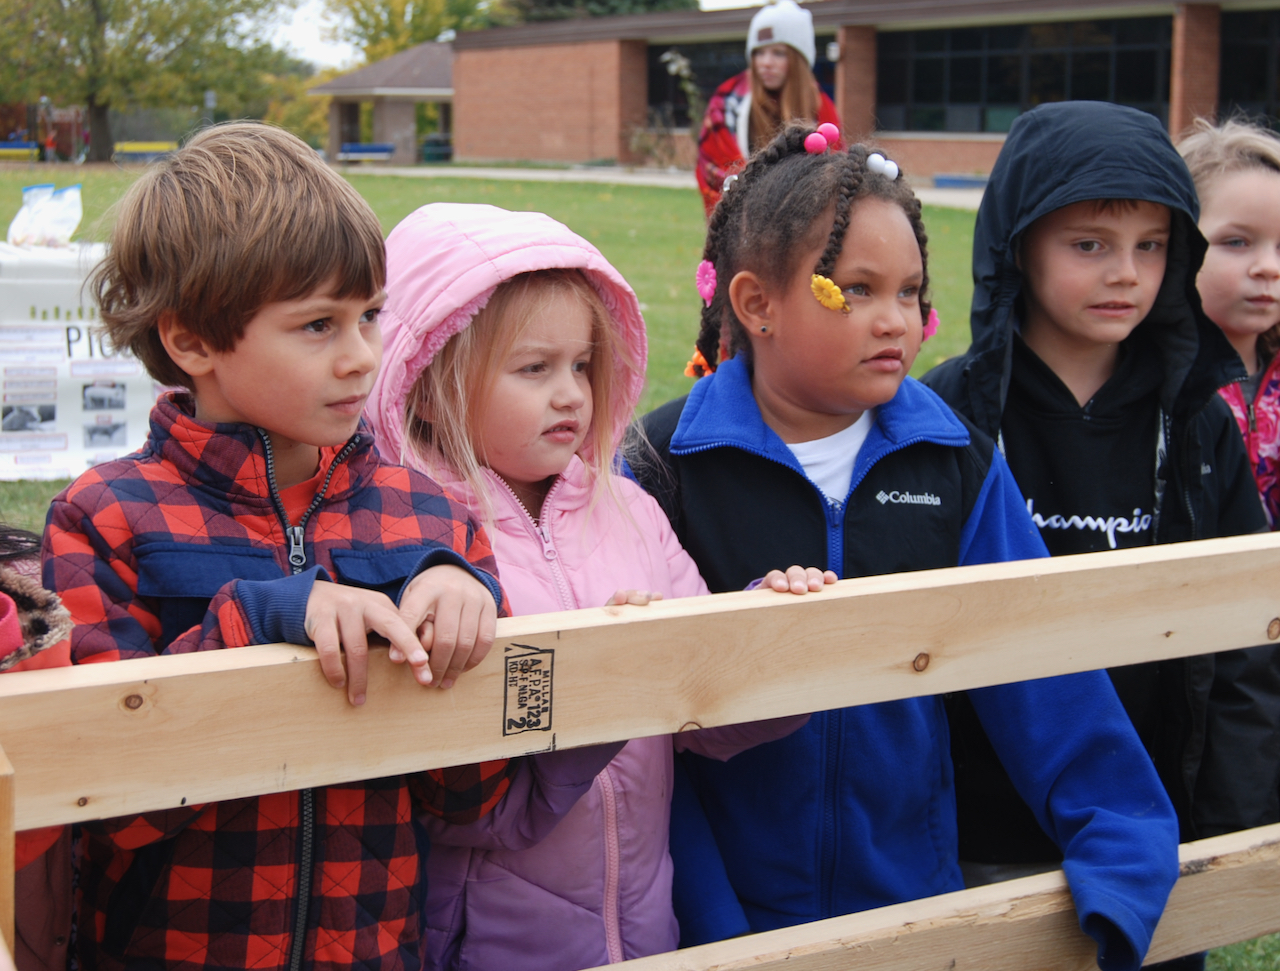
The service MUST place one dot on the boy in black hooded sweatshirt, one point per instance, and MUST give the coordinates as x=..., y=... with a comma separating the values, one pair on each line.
x=1096, y=370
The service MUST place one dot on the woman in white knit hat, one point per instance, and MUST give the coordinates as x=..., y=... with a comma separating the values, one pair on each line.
x=750, y=108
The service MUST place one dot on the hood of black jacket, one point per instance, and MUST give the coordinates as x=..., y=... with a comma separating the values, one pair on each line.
x=1060, y=154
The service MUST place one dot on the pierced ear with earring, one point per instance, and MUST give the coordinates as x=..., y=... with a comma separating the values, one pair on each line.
x=764, y=330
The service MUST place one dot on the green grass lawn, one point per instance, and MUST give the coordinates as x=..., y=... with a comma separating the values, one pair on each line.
x=653, y=236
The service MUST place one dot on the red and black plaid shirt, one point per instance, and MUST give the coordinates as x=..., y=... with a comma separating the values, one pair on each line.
x=147, y=553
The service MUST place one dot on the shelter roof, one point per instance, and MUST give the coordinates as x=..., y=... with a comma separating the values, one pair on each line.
x=422, y=72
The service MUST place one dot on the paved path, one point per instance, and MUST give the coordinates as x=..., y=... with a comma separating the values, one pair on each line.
x=614, y=175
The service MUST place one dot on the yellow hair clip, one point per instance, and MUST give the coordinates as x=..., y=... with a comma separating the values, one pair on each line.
x=828, y=294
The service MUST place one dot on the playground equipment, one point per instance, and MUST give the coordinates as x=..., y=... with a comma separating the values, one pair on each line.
x=110, y=739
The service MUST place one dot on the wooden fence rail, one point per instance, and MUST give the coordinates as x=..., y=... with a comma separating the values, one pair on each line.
x=105, y=740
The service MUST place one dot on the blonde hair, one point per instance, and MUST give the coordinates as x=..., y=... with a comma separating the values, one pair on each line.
x=1213, y=151
x=797, y=101
x=242, y=215
x=453, y=389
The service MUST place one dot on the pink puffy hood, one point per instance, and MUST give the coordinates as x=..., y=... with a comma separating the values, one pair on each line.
x=443, y=263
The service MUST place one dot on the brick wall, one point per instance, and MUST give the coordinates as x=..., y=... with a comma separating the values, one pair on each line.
x=1193, y=75
x=922, y=156
x=556, y=102
x=856, y=81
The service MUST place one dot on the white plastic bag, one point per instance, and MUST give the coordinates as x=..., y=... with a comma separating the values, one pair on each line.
x=48, y=217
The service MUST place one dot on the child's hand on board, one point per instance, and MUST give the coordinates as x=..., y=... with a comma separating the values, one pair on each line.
x=797, y=580
x=455, y=619
x=339, y=619
x=638, y=597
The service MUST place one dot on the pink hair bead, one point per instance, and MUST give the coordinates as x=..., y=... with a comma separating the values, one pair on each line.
x=830, y=132
x=815, y=144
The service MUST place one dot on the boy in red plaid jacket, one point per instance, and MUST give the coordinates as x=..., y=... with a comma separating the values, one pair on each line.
x=242, y=268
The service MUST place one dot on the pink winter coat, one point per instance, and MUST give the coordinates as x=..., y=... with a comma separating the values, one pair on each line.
x=572, y=870
x=1259, y=422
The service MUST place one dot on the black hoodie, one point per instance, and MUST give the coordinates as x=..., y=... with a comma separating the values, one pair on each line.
x=1210, y=723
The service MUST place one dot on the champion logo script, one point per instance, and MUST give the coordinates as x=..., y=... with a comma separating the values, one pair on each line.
x=910, y=498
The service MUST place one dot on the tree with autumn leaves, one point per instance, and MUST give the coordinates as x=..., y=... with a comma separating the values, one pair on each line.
x=139, y=53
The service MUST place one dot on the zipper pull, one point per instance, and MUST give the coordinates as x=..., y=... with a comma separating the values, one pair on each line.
x=548, y=550
x=297, y=551
x=1253, y=419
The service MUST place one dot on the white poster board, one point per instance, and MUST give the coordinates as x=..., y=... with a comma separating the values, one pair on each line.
x=67, y=399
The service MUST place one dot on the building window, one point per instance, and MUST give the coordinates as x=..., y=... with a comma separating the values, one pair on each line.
x=712, y=65
x=1250, y=49
x=981, y=78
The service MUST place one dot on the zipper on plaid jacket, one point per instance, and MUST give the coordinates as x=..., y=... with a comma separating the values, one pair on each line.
x=306, y=797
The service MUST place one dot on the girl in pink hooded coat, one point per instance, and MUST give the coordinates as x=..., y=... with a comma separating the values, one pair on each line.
x=514, y=357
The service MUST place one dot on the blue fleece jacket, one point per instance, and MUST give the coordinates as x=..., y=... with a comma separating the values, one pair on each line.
x=857, y=809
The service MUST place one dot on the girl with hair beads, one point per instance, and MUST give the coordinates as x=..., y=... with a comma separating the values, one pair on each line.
x=1236, y=167
x=811, y=444
x=515, y=358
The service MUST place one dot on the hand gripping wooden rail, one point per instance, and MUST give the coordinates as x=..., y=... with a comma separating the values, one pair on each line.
x=105, y=740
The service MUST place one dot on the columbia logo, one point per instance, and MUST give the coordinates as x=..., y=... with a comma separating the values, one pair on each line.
x=911, y=498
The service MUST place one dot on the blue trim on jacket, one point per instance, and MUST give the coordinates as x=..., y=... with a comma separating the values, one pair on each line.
x=857, y=809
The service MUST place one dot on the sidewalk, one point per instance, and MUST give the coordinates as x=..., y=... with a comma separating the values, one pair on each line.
x=614, y=175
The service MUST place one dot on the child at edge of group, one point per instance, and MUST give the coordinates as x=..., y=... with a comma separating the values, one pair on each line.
x=811, y=443
x=244, y=269
x=34, y=630
x=1236, y=168
x=1095, y=367
x=515, y=358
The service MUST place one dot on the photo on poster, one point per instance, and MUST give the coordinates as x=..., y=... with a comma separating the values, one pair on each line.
x=28, y=418
x=102, y=436
x=103, y=396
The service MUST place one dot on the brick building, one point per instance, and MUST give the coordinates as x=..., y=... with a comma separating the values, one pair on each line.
x=938, y=81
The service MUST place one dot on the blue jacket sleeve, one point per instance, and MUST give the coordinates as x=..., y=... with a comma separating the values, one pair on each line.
x=1075, y=759
x=705, y=904
x=1000, y=529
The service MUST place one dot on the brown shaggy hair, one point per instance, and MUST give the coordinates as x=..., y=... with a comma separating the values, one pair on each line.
x=243, y=215
x=1212, y=151
x=796, y=102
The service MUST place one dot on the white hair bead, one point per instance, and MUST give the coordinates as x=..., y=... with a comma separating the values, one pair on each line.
x=876, y=163
x=890, y=170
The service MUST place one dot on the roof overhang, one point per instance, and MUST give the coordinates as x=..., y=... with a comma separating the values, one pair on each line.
x=392, y=94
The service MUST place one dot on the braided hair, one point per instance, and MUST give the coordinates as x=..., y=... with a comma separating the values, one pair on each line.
x=776, y=210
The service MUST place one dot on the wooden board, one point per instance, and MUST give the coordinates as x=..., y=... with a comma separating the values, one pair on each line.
x=1229, y=891
x=106, y=740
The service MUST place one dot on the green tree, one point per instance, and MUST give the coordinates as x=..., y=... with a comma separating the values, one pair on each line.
x=144, y=53
x=381, y=28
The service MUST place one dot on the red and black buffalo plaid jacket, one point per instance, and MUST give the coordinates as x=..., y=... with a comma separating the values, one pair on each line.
x=184, y=546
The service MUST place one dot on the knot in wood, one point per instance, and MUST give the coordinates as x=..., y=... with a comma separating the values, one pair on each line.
x=1273, y=629
x=921, y=662
x=82, y=801
x=133, y=702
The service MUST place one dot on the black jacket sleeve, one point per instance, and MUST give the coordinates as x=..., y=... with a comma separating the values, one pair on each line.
x=1236, y=787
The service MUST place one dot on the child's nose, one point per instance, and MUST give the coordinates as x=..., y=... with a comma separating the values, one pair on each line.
x=891, y=322
x=357, y=355
x=569, y=392
x=1124, y=269
x=1267, y=264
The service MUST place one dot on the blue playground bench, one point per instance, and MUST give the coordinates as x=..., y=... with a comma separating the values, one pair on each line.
x=366, y=152
x=23, y=151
